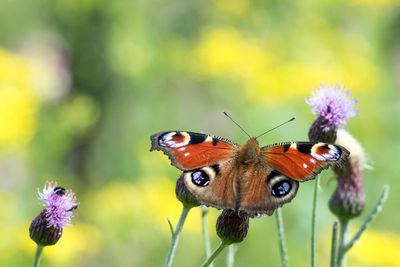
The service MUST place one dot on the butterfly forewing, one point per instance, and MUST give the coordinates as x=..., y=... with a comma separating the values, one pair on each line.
x=303, y=160
x=188, y=150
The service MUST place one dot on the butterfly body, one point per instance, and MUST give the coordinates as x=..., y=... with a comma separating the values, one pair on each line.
x=251, y=178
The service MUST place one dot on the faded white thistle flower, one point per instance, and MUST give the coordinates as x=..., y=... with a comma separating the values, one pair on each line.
x=46, y=229
x=333, y=107
x=348, y=200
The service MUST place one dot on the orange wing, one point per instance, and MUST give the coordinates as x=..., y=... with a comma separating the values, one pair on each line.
x=302, y=160
x=188, y=150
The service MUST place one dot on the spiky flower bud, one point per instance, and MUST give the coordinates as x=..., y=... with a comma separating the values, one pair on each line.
x=348, y=200
x=232, y=227
x=184, y=195
x=41, y=233
x=332, y=107
x=46, y=229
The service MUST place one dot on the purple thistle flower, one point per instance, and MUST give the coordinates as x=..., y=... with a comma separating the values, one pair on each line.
x=59, y=205
x=333, y=107
x=46, y=229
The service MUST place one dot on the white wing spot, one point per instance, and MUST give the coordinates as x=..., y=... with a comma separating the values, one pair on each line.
x=313, y=161
x=208, y=139
x=305, y=165
x=186, y=154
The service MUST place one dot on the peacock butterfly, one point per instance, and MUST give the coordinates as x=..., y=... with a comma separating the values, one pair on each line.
x=250, y=178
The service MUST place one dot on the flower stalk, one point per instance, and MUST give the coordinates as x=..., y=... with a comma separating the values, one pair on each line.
x=334, y=245
x=281, y=237
x=176, y=236
x=215, y=253
x=38, y=255
x=343, y=236
x=230, y=256
x=314, y=219
x=206, y=238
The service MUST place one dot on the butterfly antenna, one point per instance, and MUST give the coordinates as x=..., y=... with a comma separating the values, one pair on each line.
x=292, y=119
x=226, y=114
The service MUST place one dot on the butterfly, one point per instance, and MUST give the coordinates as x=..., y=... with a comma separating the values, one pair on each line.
x=247, y=178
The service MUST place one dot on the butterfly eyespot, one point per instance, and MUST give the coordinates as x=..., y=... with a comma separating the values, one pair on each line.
x=281, y=189
x=200, y=178
x=281, y=186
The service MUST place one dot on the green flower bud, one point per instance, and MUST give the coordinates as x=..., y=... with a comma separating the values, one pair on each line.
x=184, y=195
x=232, y=227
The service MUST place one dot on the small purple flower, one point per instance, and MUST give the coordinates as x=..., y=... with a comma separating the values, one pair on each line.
x=47, y=228
x=333, y=105
x=59, y=205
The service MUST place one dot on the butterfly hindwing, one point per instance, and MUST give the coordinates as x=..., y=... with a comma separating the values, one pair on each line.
x=264, y=190
x=303, y=160
x=188, y=150
x=213, y=185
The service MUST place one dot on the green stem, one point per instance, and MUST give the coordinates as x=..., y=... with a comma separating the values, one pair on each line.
x=343, y=236
x=215, y=253
x=38, y=255
x=281, y=237
x=230, y=256
x=206, y=237
x=313, y=220
x=377, y=208
x=175, y=236
x=334, y=248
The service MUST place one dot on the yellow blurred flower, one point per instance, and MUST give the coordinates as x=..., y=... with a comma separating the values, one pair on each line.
x=18, y=104
x=376, y=249
x=264, y=70
x=76, y=240
x=150, y=202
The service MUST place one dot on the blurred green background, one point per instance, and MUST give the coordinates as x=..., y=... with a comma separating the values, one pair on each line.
x=83, y=85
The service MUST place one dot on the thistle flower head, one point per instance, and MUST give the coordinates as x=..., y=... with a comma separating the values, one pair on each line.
x=333, y=105
x=46, y=229
x=59, y=205
x=232, y=227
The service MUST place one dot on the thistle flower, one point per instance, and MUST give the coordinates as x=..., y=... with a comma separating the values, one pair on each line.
x=232, y=227
x=348, y=200
x=333, y=107
x=184, y=195
x=46, y=229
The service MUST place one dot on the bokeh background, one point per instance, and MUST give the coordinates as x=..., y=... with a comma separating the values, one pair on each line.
x=83, y=85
